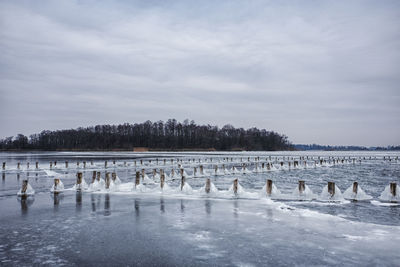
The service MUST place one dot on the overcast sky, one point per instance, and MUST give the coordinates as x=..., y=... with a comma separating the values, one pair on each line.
x=324, y=72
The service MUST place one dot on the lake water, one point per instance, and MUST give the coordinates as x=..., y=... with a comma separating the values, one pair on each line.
x=149, y=226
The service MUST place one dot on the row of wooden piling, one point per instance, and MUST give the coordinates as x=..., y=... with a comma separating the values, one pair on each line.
x=294, y=160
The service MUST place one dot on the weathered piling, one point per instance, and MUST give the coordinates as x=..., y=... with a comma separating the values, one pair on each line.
x=98, y=176
x=235, y=186
x=393, y=189
x=51, y=165
x=27, y=165
x=302, y=186
x=143, y=174
x=108, y=180
x=201, y=170
x=355, y=187
x=114, y=176
x=84, y=164
x=105, y=164
x=137, y=179
x=182, y=182
x=37, y=165
x=162, y=180
x=194, y=171
x=182, y=173
x=208, y=185
x=93, y=176
x=268, y=187
x=172, y=172
x=216, y=169
x=66, y=164
x=79, y=180
x=18, y=165
x=331, y=188
x=141, y=162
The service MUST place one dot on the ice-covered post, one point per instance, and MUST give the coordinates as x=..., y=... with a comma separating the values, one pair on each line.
x=143, y=174
x=235, y=186
x=18, y=165
x=181, y=170
x=289, y=164
x=37, y=165
x=98, y=176
x=108, y=181
x=182, y=182
x=114, y=176
x=78, y=180
x=27, y=165
x=302, y=186
x=172, y=172
x=208, y=185
x=51, y=165
x=114, y=162
x=56, y=183
x=105, y=164
x=162, y=180
x=93, y=176
x=331, y=188
x=157, y=161
x=84, y=164
x=137, y=179
x=269, y=187
x=24, y=186
x=194, y=171
x=154, y=172
x=355, y=187
x=141, y=162
x=201, y=170
x=66, y=164
x=77, y=164
x=393, y=189
x=216, y=169
x=91, y=162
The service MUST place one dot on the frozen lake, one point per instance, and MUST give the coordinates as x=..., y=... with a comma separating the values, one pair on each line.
x=122, y=226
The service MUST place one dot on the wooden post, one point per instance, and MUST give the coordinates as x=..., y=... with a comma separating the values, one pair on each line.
x=216, y=169
x=51, y=165
x=182, y=182
x=79, y=179
x=114, y=162
x=162, y=180
x=172, y=172
x=269, y=187
x=181, y=170
x=105, y=164
x=27, y=165
x=393, y=189
x=281, y=163
x=208, y=185
x=154, y=172
x=114, y=176
x=91, y=162
x=141, y=162
x=108, y=181
x=66, y=164
x=77, y=164
x=56, y=183
x=24, y=186
x=355, y=187
x=201, y=170
x=235, y=186
x=37, y=165
x=98, y=176
x=124, y=163
x=143, y=174
x=93, y=176
x=302, y=186
x=331, y=188
x=137, y=179
x=164, y=161
x=84, y=164
x=18, y=165
x=194, y=171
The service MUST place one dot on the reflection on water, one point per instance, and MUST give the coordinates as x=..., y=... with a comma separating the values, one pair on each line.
x=137, y=203
x=207, y=205
x=235, y=208
x=25, y=203
x=78, y=199
x=107, y=204
x=57, y=199
x=162, y=206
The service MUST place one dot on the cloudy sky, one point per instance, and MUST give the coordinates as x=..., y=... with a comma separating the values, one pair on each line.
x=324, y=72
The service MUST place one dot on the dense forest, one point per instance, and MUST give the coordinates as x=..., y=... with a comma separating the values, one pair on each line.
x=171, y=135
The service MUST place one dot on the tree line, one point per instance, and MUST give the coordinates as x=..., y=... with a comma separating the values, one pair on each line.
x=171, y=135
